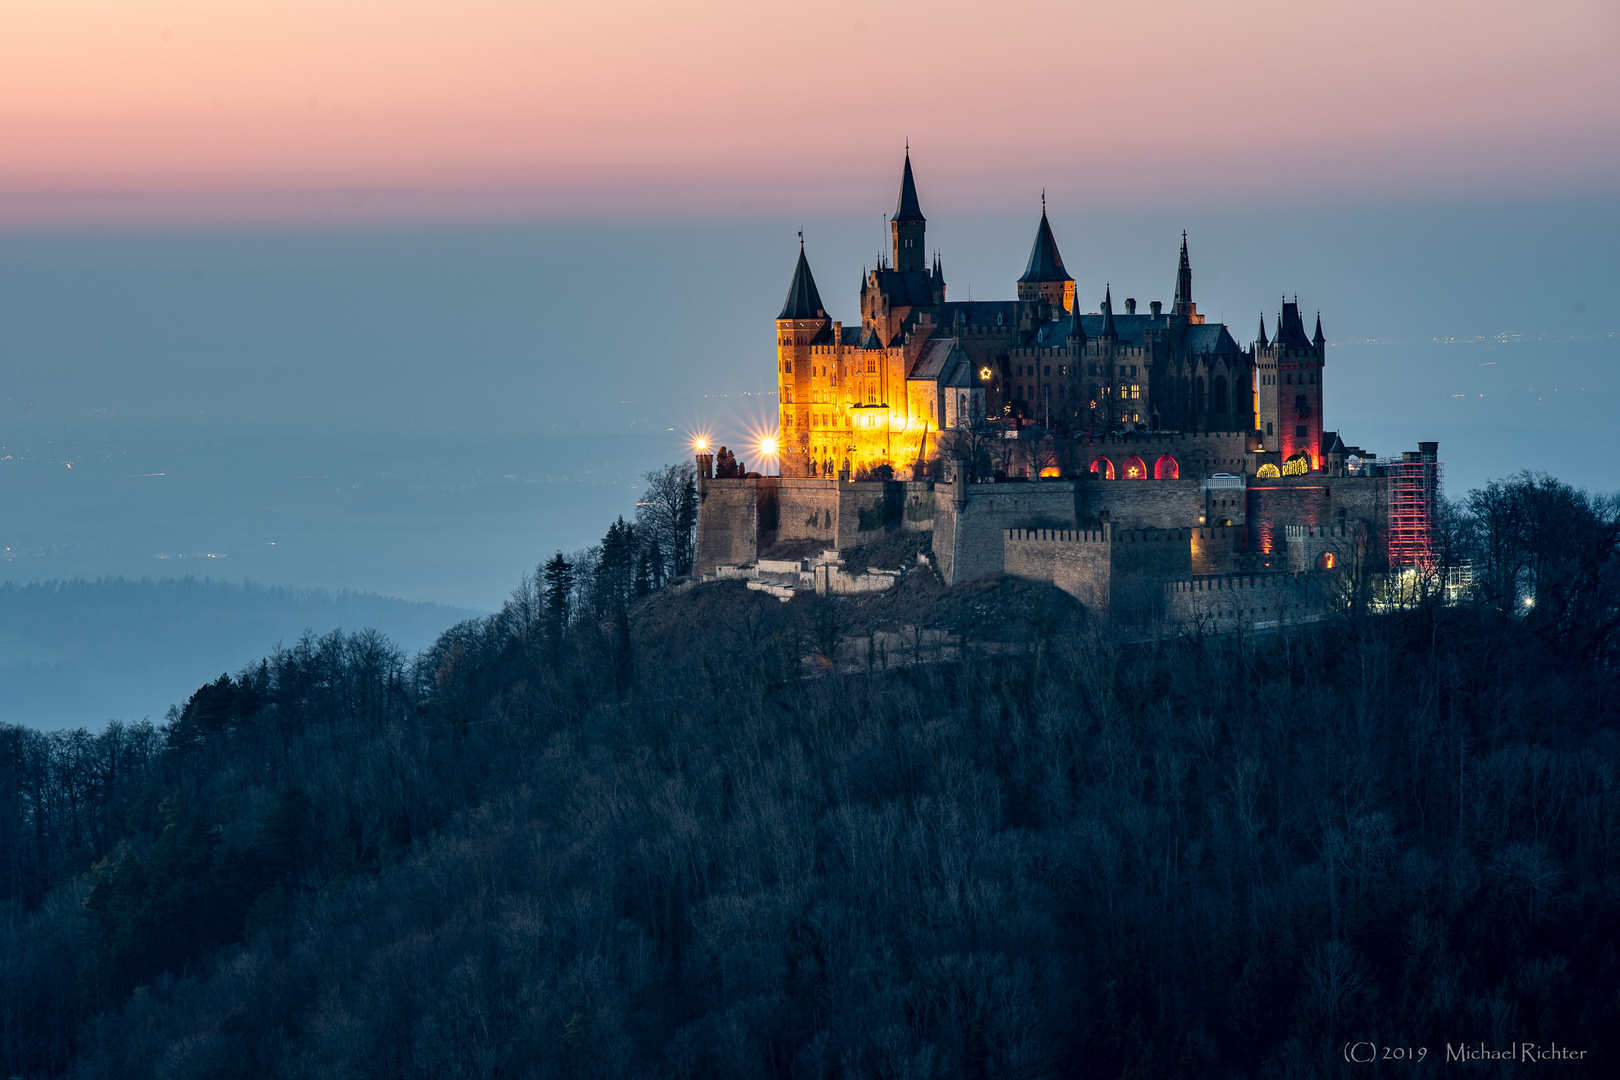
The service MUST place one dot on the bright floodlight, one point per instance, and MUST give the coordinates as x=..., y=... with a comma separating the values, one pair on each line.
x=767, y=447
x=700, y=443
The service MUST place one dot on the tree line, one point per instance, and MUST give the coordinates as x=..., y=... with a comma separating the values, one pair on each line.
x=638, y=837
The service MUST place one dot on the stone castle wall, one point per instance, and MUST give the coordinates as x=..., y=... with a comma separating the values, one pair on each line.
x=1225, y=602
x=1113, y=571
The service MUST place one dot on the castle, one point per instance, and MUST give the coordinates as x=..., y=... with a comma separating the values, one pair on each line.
x=1138, y=460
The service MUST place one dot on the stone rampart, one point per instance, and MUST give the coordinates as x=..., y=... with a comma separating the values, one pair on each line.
x=971, y=521
x=1120, y=572
x=1222, y=603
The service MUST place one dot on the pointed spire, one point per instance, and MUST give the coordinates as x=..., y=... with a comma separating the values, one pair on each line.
x=1318, y=340
x=1184, y=302
x=1045, y=263
x=803, y=301
x=1108, y=314
x=1261, y=340
x=908, y=208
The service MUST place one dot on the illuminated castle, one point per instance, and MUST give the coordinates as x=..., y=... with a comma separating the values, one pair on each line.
x=1142, y=461
x=855, y=397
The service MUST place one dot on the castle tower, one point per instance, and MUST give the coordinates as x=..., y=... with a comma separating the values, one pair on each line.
x=802, y=323
x=1290, y=373
x=1184, y=308
x=908, y=225
x=1044, y=276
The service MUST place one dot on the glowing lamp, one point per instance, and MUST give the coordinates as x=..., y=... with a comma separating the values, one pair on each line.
x=767, y=447
x=700, y=444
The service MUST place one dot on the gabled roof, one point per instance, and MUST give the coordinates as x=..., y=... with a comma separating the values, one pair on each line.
x=1210, y=338
x=908, y=209
x=931, y=362
x=906, y=288
x=803, y=301
x=1045, y=264
x=871, y=341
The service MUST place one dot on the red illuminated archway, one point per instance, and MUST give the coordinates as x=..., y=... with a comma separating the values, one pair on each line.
x=1135, y=469
x=1103, y=467
x=1166, y=469
x=1326, y=561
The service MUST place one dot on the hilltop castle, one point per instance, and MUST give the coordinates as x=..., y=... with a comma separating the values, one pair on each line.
x=1151, y=429
x=853, y=397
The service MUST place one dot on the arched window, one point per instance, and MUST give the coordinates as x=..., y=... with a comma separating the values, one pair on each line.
x=1268, y=471
x=1134, y=469
x=1166, y=469
x=1051, y=472
x=1103, y=468
x=1326, y=561
x=1298, y=465
x=1220, y=394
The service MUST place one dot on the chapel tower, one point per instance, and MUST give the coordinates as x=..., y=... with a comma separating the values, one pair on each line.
x=908, y=226
x=1045, y=278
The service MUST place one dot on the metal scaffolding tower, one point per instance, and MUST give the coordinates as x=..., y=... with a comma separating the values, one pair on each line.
x=1413, y=494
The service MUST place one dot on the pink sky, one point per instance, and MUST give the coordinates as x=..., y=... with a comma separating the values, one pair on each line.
x=247, y=108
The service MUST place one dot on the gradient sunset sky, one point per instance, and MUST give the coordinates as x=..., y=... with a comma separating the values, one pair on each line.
x=138, y=109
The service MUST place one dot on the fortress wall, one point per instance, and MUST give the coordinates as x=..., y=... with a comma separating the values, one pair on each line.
x=1197, y=453
x=1120, y=572
x=974, y=532
x=1312, y=501
x=1140, y=561
x=1227, y=602
x=869, y=510
x=1215, y=549
x=918, y=515
x=728, y=524
x=1307, y=545
x=807, y=509
x=1076, y=561
x=1143, y=504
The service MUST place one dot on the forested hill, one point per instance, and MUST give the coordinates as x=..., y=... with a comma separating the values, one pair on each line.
x=81, y=652
x=601, y=835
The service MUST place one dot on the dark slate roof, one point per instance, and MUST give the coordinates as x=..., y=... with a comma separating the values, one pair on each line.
x=1128, y=328
x=1332, y=444
x=1045, y=264
x=1317, y=338
x=803, y=301
x=1291, y=328
x=1200, y=338
x=932, y=360
x=908, y=208
x=850, y=335
x=1208, y=338
x=978, y=313
x=906, y=288
x=871, y=340
x=1262, y=339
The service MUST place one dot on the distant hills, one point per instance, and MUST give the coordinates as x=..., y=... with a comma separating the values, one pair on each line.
x=82, y=652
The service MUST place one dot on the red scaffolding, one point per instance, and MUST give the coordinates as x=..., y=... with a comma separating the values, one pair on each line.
x=1412, y=491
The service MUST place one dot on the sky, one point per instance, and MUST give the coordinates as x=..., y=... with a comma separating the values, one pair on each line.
x=404, y=297
x=296, y=109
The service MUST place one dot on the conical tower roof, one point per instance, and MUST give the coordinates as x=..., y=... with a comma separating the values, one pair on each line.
x=908, y=208
x=803, y=301
x=1108, y=313
x=1045, y=264
x=1318, y=339
x=1261, y=340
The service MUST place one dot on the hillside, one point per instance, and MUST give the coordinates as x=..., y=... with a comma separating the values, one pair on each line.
x=665, y=838
x=83, y=652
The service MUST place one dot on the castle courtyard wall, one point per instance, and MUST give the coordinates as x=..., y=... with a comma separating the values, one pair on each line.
x=728, y=530
x=970, y=521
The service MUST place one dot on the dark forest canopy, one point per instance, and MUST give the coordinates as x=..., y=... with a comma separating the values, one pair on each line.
x=608, y=834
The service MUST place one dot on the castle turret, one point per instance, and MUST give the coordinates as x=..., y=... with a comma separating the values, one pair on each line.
x=908, y=226
x=1291, y=373
x=801, y=324
x=1044, y=276
x=1108, y=330
x=1262, y=341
